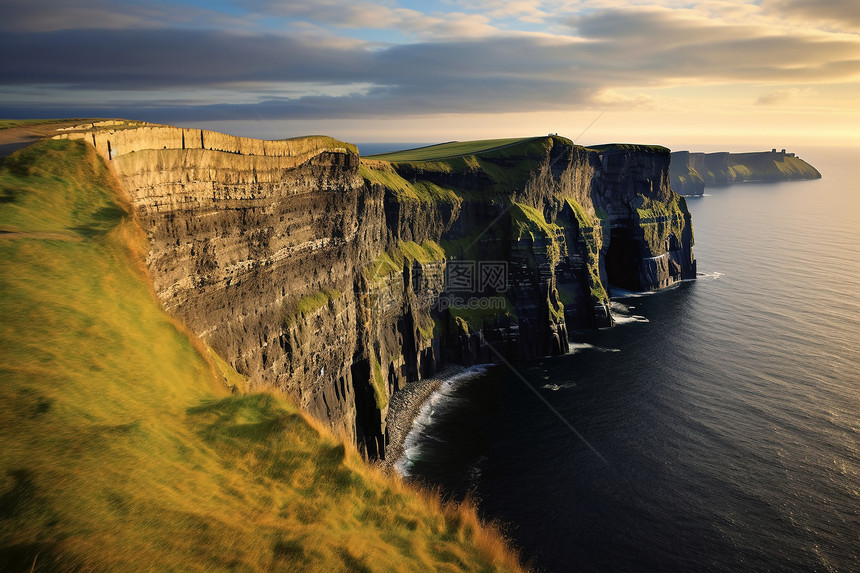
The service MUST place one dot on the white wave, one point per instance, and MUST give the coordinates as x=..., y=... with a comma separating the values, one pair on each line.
x=714, y=275
x=424, y=418
x=574, y=347
x=628, y=318
x=557, y=387
x=623, y=313
x=617, y=292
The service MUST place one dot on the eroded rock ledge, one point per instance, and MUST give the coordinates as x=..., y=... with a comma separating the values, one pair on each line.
x=324, y=275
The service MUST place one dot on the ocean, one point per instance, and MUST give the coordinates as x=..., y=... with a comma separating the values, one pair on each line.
x=715, y=428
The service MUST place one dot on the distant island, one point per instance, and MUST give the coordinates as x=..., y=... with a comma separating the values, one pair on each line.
x=690, y=173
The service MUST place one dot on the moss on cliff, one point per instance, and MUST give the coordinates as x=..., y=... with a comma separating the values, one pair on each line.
x=529, y=221
x=307, y=305
x=661, y=219
x=377, y=380
x=403, y=253
x=384, y=175
x=122, y=444
x=473, y=318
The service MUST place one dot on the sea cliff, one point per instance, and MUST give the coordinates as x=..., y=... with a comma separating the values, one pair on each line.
x=691, y=172
x=329, y=277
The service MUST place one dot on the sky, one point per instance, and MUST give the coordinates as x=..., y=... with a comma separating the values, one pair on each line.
x=682, y=73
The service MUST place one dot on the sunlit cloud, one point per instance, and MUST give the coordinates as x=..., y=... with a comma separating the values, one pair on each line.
x=778, y=97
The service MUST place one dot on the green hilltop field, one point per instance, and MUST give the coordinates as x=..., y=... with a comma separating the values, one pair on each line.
x=123, y=448
x=449, y=150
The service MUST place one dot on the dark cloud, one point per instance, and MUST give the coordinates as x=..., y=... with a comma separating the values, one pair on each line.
x=141, y=59
x=52, y=15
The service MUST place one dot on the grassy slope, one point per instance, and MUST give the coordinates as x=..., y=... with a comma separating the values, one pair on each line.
x=446, y=150
x=507, y=163
x=122, y=450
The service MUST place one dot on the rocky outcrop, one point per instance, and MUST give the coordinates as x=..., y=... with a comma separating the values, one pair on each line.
x=340, y=281
x=691, y=172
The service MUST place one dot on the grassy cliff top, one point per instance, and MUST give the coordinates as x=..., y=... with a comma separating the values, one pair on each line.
x=455, y=149
x=446, y=150
x=769, y=165
x=123, y=448
x=636, y=147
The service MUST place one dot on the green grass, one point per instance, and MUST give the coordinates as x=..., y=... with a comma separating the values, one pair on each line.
x=123, y=448
x=448, y=150
x=384, y=175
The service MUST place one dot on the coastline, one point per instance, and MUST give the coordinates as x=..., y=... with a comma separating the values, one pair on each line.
x=405, y=406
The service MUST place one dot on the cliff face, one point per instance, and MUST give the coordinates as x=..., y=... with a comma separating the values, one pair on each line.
x=692, y=172
x=341, y=280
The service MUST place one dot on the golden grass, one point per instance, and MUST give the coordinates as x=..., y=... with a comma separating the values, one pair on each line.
x=123, y=448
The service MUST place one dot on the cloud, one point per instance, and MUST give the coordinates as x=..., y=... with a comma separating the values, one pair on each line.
x=347, y=14
x=782, y=96
x=531, y=11
x=840, y=14
x=358, y=14
x=52, y=15
x=680, y=46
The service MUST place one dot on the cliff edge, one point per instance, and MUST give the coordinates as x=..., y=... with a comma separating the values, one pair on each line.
x=691, y=172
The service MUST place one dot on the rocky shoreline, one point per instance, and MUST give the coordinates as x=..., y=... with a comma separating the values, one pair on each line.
x=405, y=406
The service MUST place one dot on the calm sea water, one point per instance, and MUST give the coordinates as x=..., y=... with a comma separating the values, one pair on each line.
x=726, y=411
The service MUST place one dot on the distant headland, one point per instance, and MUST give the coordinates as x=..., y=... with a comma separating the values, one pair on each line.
x=690, y=172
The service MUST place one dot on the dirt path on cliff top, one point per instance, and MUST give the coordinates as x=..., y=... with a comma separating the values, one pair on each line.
x=18, y=136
